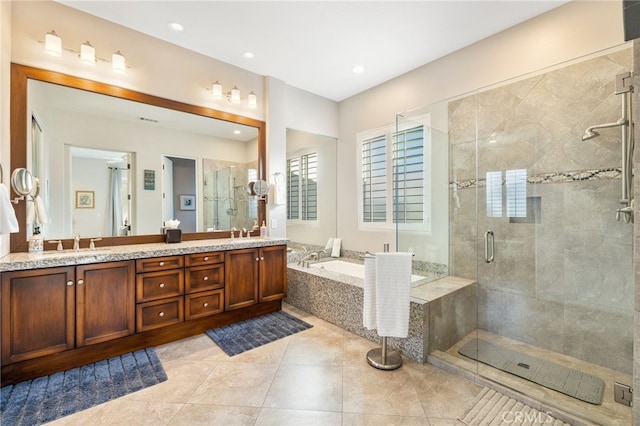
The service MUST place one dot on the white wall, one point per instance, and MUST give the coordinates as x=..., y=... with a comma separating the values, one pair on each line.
x=5, y=61
x=562, y=34
x=157, y=68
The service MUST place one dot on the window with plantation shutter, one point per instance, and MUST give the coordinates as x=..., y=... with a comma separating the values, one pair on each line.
x=302, y=187
x=374, y=179
x=408, y=175
x=395, y=179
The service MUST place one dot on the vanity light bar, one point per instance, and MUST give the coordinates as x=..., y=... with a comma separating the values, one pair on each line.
x=233, y=95
x=87, y=53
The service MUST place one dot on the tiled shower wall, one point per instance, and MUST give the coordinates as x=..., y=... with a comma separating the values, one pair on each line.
x=563, y=276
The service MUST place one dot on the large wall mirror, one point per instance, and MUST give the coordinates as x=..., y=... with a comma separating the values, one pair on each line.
x=117, y=164
x=312, y=188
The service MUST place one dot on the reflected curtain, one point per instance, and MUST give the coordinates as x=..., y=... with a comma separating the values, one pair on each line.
x=113, y=220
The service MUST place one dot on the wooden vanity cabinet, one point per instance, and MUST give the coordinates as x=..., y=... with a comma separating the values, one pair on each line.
x=105, y=302
x=273, y=273
x=50, y=310
x=255, y=276
x=204, y=286
x=159, y=292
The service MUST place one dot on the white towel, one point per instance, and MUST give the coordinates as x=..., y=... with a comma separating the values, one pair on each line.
x=31, y=211
x=335, y=250
x=41, y=212
x=393, y=283
x=8, y=220
x=280, y=190
x=329, y=244
x=369, y=316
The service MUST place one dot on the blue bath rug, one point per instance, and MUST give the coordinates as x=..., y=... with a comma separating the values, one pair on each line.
x=236, y=338
x=60, y=394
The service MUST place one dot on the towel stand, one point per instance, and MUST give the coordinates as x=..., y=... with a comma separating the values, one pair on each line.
x=381, y=358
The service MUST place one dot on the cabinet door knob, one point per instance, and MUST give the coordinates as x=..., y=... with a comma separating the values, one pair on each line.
x=257, y=259
x=80, y=282
x=69, y=283
x=161, y=285
x=206, y=278
x=261, y=258
x=161, y=314
x=162, y=263
x=206, y=258
x=205, y=304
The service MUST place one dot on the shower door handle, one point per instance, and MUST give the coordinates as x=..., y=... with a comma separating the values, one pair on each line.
x=489, y=247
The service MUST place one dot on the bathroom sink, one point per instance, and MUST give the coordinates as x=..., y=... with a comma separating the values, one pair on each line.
x=81, y=252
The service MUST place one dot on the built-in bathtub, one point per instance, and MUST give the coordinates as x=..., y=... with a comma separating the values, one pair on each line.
x=354, y=269
x=442, y=309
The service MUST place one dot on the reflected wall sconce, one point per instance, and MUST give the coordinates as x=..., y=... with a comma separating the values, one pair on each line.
x=87, y=53
x=233, y=95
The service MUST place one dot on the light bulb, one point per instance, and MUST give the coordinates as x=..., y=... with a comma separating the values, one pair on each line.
x=252, y=100
x=118, y=63
x=87, y=54
x=235, y=95
x=53, y=44
x=216, y=90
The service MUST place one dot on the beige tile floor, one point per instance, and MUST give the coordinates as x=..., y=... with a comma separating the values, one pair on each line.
x=317, y=377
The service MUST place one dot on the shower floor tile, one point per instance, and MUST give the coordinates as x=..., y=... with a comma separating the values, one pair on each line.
x=608, y=413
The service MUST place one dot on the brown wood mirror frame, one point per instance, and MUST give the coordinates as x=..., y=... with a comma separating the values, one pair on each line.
x=20, y=75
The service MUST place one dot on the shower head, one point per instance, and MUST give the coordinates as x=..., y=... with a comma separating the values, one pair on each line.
x=590, y=134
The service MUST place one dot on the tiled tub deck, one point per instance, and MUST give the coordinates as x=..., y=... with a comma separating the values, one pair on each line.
x=442, y=311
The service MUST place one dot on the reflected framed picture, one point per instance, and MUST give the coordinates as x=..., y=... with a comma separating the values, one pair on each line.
x=85, y=199
x=187, y=202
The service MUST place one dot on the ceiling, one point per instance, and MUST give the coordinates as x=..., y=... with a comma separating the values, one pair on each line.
x=314, y=45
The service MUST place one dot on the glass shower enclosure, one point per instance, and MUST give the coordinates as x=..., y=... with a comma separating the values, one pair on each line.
x=532, y=219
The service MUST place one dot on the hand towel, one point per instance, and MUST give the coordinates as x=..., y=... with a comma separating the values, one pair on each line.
x=41, y=211
x=393, y=284
x=280, y=190
x=335, y=250
x=8, y=220
x=31, y=211
x=369, y=317
x=329, y=244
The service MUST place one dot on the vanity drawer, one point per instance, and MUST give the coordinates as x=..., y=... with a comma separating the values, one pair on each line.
x=203, y=304
x=159, y=263
x=204, y=278
x=198, y=259
x=158, y=285
x=159, y=313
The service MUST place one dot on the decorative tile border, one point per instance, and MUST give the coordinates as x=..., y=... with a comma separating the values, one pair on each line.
x=558, y=177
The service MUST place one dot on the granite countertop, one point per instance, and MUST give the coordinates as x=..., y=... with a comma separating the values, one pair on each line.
x=50, y=259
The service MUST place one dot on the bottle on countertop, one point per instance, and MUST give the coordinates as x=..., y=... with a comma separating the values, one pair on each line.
x=36, y=241
x=263, y=230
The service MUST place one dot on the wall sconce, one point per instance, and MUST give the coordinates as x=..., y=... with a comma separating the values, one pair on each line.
x=53, y=46
x=233, y=95
x=87, y=54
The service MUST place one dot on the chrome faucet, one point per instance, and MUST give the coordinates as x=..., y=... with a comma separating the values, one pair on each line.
x=76, y=242
x=305, y=260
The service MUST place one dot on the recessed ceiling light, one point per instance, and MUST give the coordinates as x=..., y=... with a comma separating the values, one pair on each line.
x=358, y=69
x=174, y=26
x=248, y=55
x=236, y=132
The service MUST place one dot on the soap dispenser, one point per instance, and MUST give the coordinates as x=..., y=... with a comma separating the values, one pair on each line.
x=263, y=230
x=36, y=241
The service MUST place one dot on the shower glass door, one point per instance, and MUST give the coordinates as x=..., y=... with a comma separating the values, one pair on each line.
x=420, y=191
x=554, y=265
